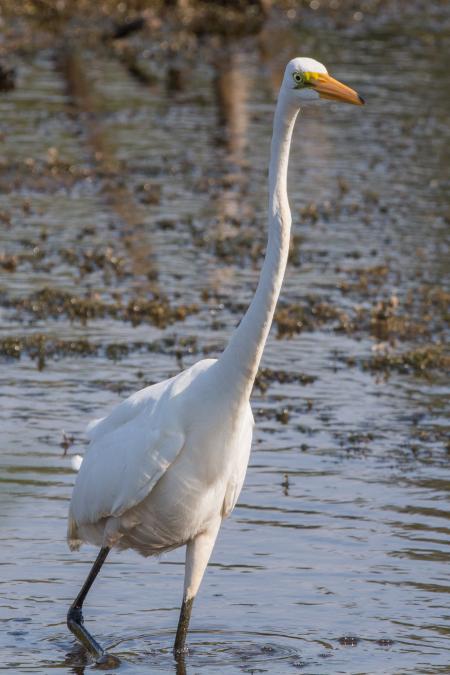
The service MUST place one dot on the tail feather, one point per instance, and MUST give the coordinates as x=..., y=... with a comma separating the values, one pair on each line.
x=73, y=538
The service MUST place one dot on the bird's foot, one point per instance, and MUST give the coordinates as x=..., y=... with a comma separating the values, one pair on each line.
x=75, y=623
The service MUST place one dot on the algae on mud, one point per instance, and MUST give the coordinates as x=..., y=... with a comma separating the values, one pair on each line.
x=355, y=541
x=51, y=303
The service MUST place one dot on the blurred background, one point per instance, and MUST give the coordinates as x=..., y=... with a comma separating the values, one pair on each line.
x=134, y=140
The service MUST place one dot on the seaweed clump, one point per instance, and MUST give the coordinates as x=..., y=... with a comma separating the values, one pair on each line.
x=295, y=318
x=266, y=376
x=89, y=261
x=40, y=347
x=55, y=303
x=10, y=262
x=420, y=361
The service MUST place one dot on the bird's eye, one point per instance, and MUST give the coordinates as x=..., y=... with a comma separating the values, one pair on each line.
x=298, y=77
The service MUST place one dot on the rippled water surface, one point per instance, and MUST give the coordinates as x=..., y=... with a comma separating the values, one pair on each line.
x=335, y=559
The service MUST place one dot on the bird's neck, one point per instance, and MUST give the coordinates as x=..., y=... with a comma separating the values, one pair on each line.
x=240, y=361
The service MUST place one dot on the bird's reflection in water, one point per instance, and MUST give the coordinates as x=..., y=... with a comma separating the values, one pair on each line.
x=79, y=655
x=230, y=84
x=180, y=668
x=231, y=206
x=230, y=87
x=77, y=659
x=128, y=214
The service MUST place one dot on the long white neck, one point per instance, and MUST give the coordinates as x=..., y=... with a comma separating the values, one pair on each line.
x=240, y=361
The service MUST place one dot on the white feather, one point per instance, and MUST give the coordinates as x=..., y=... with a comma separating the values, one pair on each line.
x=133, y=448
x=76, y=461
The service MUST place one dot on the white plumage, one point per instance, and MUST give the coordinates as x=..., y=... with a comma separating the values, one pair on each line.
x=145, y=481
x=168, y=464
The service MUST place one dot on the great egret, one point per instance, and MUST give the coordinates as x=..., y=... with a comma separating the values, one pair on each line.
x=167, y=464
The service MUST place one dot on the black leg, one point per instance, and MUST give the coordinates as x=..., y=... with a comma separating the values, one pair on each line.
x=75, y=620
x=183, y=625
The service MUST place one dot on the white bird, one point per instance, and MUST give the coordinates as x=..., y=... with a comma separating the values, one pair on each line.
x=166, y=466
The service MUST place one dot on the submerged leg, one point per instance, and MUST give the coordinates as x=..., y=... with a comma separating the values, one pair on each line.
x=75, y=620
x=198, y=552
x=183, y=625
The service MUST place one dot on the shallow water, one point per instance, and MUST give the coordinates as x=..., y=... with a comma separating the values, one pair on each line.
x=342, y=567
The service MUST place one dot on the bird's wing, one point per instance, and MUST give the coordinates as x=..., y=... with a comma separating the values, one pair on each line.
x=120, y=468
x=131, y=449
x=145, y=398
x=127, y=410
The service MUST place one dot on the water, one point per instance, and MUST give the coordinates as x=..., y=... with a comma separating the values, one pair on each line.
x=335, y=559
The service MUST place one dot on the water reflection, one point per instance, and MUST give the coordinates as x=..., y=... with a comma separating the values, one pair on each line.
x=344, y=564
x=231, y=88
x=88, y=109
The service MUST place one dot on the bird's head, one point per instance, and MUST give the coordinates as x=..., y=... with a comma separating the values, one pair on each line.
x=306, y=78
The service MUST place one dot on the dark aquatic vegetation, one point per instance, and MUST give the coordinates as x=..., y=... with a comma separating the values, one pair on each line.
x=354, y=542
x=7, y=77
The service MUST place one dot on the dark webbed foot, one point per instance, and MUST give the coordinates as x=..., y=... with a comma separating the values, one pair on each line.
x=75, y=621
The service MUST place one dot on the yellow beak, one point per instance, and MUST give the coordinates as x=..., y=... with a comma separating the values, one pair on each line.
x=328, y=87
